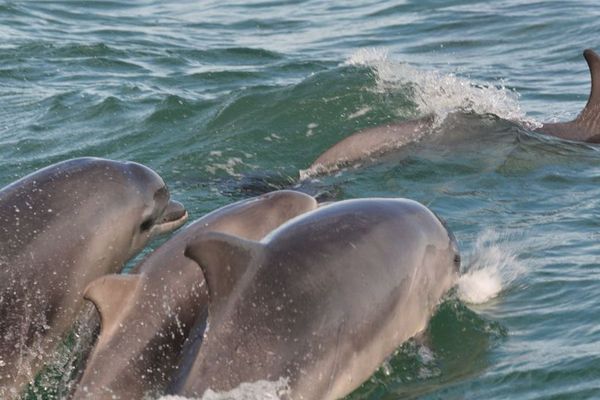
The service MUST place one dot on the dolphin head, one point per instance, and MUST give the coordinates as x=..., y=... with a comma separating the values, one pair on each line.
x=157, y=213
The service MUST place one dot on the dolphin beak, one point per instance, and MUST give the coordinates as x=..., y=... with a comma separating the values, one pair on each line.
x=174, y=216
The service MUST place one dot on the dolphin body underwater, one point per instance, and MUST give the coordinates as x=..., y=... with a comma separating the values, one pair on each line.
x=373, y=142
x=368, y=143
x=62, y=227
x=322, y=300
x=148, y=315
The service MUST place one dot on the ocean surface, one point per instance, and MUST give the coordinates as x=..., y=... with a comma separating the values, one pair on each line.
x=229, y=99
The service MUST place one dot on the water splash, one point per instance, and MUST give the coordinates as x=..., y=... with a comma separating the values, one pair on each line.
x=492, y=268
x=439, y=93
x=260, y=390
x=64, y=368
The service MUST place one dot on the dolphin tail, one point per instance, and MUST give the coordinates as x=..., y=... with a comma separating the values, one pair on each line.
x=589, y=118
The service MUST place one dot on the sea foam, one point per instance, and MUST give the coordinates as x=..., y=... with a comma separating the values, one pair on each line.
x=439, y=93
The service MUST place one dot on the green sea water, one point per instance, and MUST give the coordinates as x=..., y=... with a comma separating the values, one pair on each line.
x=228, y=99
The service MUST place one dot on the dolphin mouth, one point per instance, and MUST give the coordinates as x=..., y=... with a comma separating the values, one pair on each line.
x=174, y=216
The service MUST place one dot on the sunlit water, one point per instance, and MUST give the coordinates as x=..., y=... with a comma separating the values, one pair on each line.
x=230, y=99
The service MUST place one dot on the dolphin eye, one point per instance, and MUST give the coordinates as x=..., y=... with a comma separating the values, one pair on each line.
x=457, y=260
x=162, y=194
x=147, y=224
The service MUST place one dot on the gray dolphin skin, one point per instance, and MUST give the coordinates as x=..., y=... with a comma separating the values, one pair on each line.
x=586, y=127
x=368, y=143
x=147, y=316
x=62, y=227
x=321, y=301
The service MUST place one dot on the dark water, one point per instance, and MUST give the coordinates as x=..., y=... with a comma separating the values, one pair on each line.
x=210, y=93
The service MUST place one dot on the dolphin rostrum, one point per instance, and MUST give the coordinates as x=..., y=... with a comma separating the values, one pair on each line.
x=147, y=316
x=586, y=127
x=62, y=227
x=321, y=301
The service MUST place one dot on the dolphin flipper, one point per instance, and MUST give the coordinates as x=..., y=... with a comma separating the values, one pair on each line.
x=108, y=294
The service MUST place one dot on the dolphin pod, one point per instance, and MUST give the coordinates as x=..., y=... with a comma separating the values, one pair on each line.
x=321, y=301
x=147, y=316
x=271, y=289
x=62, y=227
x=328, y=291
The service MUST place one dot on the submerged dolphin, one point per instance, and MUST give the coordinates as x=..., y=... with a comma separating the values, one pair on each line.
x=62, y=227
x=368, y=143
x=586, y=127
x=148, y=315
x=321, y=301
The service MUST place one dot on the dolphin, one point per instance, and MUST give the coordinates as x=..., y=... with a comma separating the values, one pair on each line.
x=62, y=227
x=373, y=142
x=147, y=316
x=321, y=301
x=368, y=143
x=586, y=127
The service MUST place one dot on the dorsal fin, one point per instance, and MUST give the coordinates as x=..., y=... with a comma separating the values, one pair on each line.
x=223, y=259
x=592, y=108
x=109, y=294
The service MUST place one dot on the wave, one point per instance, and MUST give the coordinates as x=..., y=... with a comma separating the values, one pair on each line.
x=439, y=93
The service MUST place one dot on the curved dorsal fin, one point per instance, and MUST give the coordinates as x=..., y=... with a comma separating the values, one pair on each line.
x=223, y=259
x=590, y=112
x=109, y=294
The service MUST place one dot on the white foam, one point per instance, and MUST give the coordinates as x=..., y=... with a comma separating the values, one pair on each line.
x=440, y=93
x=493, y=267
x=370, y=56
x=230, y=166
x=260, y=390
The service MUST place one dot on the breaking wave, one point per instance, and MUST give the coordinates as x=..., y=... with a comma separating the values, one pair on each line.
x=438, y=93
